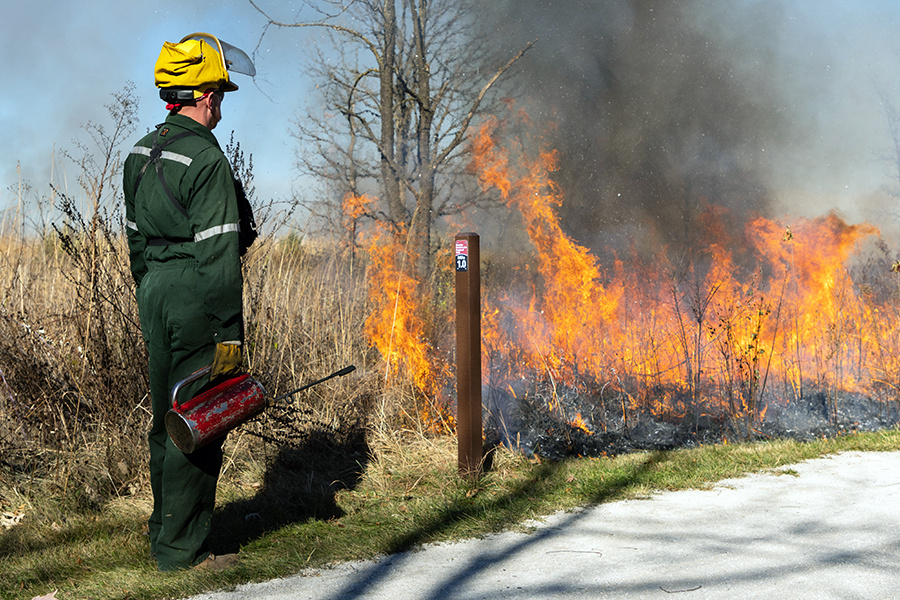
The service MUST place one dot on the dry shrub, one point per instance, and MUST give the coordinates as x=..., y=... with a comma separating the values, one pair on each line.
x=303, y=309
x=74, y=401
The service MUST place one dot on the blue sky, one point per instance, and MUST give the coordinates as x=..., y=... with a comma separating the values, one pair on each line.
x=62, y=60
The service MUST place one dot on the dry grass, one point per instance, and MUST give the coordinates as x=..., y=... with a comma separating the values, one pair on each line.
x=74, y=406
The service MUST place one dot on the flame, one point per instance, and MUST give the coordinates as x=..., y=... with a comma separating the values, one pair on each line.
x=772, y=311
x=396, y=324
x=578, y=422
x=562, y=322
x=353, y=208
x=678, y=337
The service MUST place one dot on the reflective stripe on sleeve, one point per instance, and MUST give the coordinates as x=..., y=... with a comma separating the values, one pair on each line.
x=131, y=225
x=218, y=230
x=185, y=160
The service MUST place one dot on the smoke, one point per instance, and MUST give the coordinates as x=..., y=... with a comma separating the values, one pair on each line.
x=662, y=107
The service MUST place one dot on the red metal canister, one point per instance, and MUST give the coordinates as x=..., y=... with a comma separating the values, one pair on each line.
x=213, y=413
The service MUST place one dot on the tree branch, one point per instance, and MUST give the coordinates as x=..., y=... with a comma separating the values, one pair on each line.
x=373, y=48
x=462, y=132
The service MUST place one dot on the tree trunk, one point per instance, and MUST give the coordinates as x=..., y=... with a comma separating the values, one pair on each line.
x=389, y=176
x=422, y=219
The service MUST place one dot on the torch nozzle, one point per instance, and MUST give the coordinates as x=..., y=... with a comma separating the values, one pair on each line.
x=341, y=373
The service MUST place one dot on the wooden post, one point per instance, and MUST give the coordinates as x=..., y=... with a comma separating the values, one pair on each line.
x=468, y=354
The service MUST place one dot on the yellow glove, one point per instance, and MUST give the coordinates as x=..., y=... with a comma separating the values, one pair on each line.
x=227, y=362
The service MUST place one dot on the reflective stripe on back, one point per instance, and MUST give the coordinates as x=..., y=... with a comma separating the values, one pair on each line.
x=218, y=230
x=174, y=156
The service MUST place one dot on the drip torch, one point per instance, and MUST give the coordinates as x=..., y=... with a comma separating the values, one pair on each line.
x=217, y=411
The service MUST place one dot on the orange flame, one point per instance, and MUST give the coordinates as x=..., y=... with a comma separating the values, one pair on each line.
x=353, y=208
x=580, y=424
x=775, y=311
x=563, y=321
x=709, y=337
x=396, y=325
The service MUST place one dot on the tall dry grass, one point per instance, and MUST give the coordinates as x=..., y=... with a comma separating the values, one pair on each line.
x=74, y=404
x=69, y=344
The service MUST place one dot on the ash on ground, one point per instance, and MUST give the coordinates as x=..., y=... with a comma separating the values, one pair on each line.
x=555, y=422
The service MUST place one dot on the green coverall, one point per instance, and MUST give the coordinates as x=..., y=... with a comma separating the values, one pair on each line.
x=188, y=273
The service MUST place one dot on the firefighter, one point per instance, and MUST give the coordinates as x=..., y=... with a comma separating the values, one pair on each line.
x=182, y=221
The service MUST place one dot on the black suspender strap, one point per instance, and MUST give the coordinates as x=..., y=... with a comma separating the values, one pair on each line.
x=155, y=158
x=246, y=224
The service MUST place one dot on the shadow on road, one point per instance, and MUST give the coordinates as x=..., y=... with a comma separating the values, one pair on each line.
x=370, y=576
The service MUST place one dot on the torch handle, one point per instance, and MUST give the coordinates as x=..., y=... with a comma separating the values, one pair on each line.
x=341, y=373
x=192, y=377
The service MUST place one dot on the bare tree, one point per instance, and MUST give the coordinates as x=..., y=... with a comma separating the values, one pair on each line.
x=402, y=83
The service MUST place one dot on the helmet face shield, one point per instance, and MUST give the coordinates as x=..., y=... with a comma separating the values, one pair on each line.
x=235, y=60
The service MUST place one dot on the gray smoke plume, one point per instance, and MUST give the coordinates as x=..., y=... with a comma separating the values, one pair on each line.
x=660, y=108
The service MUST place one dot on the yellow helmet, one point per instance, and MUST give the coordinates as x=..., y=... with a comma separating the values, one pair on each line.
x=198, y=63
